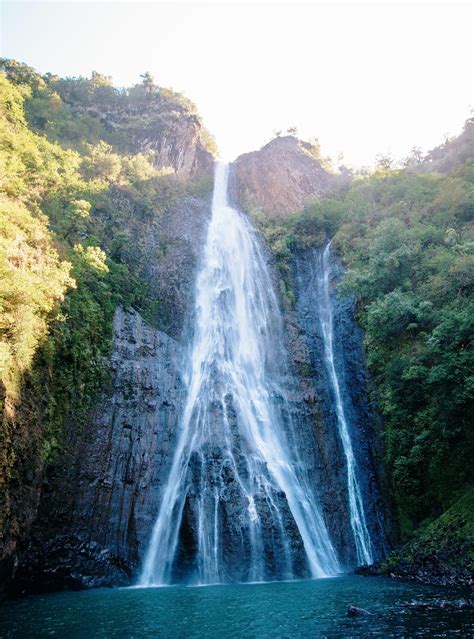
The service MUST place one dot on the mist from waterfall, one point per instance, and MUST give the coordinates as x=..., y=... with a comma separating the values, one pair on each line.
x=356, y=505
x=238, y=503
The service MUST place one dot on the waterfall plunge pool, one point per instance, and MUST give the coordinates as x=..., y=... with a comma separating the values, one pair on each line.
x=309, y=609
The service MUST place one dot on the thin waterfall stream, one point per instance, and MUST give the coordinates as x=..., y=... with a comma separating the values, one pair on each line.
x=356, y=504
x=238, y=504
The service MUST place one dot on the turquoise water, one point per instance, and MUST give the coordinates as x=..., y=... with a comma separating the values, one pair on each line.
x=308, y=609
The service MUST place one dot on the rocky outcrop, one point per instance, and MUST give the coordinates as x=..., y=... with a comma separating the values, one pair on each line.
x=175, y=142
x=440, y=553
x=449, y=155
x=424, y=570
x=281, y=176
x=163, y=122
x=353, y=611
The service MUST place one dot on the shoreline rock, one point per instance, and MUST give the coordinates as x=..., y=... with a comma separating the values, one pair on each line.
x=430, y=575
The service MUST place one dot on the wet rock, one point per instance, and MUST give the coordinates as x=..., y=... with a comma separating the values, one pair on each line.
x=97, y=512
x=353, y=611
x=100, y=502
x=167, y=247
x=424, y=568
x=349, y=359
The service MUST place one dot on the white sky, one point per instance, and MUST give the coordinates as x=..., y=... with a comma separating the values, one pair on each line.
x=364, y=78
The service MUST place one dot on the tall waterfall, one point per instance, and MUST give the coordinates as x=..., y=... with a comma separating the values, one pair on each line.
x=356, y=505
x=237, y=504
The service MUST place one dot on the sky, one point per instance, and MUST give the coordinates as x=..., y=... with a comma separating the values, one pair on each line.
x=367, y=78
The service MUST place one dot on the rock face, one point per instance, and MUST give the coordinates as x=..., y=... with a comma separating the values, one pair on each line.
x=167, y=247
x=88, y=522
x=98, y=506
x=280, y=177
x=164, y=123
x=362, y=421
x=176, y=144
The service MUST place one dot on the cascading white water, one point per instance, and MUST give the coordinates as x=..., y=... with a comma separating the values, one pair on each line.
x=356, y=505
x=236, y=477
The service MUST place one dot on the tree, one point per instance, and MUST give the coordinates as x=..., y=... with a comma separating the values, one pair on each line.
x=415, y=157
x=103, y=163
x=74, y=218
x=99, y=80
x=148, y=83
x=384, y=161
x=33, y=281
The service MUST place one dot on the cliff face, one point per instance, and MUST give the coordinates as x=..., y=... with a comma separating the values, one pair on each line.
x=162, y=122
x=77, y=112
x=175, y=140
x=92, y=517
x=150, y=231
x=278, y=178
x=87, y=522
x=363, y=422
x=166, y=246
x=98, y=505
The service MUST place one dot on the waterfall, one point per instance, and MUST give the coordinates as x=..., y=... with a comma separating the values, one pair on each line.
x=356, y=505
x=238, y=504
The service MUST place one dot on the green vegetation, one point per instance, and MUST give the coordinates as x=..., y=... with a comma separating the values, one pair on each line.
x=411, y=267
x=33, y=280
x=406, y=237
x=443, y=548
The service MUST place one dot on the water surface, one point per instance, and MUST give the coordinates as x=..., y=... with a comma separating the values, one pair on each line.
x=309, y=609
